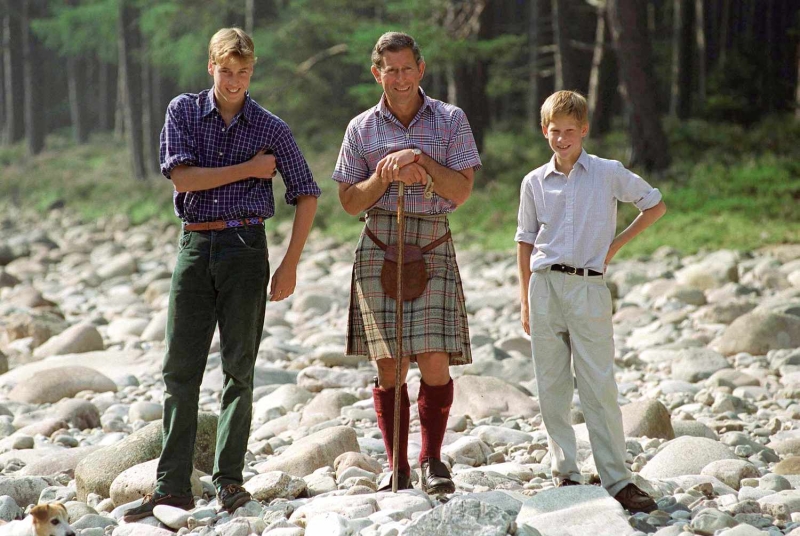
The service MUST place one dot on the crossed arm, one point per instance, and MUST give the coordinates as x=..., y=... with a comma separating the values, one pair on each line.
x=453, y=185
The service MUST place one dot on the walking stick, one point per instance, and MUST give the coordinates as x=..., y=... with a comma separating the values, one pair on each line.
x=398, y=363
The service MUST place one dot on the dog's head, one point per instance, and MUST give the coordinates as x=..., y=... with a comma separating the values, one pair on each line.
x=51, y=520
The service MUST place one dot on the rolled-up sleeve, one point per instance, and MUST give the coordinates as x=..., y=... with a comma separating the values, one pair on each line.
x=527, y=222
x=462, y=152
x=351, y=167
x=177, y=145
x=629, y=187
x=292, y=166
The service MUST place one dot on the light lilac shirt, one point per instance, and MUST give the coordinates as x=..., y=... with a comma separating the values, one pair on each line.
x=439, y=129
x=572, y=219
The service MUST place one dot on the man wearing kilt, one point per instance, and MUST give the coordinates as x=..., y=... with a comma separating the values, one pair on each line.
x=428, y=146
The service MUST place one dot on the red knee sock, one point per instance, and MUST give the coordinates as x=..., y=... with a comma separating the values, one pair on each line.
x=384, y=408
x=434, y=408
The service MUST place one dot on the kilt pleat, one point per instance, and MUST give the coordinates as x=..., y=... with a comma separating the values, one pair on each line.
x=436, y=321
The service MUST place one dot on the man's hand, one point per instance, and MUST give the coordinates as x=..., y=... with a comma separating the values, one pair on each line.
x=525, y=317
x=263, y=165
x=412, y=174
x=388, y=169
x=283, y=282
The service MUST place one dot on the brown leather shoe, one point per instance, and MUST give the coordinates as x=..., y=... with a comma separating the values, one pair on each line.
x=151, y=500
x=635, y=500
x=436, y=478
x=567, y=482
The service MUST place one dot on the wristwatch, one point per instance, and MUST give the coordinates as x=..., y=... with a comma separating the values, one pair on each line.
x=417, y=154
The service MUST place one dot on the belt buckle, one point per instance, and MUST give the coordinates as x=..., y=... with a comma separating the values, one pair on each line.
x=574, y=271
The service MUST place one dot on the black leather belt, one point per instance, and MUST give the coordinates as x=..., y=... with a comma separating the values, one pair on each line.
x=573, y=271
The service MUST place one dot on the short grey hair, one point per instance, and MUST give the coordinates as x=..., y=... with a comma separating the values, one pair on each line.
x=394, y=42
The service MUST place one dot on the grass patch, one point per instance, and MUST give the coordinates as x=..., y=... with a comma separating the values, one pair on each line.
x=728, y=187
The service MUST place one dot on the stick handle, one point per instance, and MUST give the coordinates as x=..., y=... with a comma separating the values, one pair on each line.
x=398, y=358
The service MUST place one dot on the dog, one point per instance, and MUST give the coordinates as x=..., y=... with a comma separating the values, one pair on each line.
x=43, y=520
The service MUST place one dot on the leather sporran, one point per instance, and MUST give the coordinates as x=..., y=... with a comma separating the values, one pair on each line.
x=415, y=272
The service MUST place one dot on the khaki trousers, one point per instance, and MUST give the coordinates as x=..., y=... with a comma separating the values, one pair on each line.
x=570, y=319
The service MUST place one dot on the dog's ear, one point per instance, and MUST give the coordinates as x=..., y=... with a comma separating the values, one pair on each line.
x=40, y=512
x=60, y=508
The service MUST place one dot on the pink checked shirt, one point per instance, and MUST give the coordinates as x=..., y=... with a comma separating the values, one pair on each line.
x=439, y=129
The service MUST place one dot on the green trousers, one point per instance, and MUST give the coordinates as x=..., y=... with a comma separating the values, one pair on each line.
x=220, y=277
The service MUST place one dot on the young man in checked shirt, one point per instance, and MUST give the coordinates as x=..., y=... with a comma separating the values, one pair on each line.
x=221, y=150
x=428, y=145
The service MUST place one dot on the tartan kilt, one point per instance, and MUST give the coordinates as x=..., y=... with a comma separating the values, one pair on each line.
x=436, y=321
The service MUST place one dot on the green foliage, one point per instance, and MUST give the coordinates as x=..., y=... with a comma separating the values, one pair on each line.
x=83, y=29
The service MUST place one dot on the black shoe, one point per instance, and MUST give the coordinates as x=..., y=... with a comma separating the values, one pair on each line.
x=151, y=500
x=635, y=500
x=403, y=482
x=567, y=482
x=233, y=496
x=436, y=478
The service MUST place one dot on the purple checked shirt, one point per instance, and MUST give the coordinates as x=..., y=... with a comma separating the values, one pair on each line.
x=194, y=134
x=439, y=129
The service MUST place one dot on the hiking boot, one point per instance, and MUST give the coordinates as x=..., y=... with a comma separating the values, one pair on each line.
x=151, y=500
x=564, y=482
x=233, y=496
x=635, y=500
x=436, y=478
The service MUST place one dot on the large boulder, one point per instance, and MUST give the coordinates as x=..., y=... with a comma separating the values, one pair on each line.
x=759, y=332
x=77, y=339
x=326, y=406
x=485, y=396
x=647, y=418
x=314, y=451
x=63, y=382
x=695, y=364
x=61, y=461
x=96, y=472
x=686, y=456
x=24, y=490
x=137, y=481
x=574, y=511
x=463, y=516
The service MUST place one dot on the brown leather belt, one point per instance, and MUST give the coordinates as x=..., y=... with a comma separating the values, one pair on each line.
x=222, y=224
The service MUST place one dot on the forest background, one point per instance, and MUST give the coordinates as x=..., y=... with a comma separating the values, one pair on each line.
x=701, y=97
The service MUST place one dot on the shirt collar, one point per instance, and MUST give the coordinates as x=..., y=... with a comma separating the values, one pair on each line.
x=583, y=160
x=208, y=104
x=383, y=108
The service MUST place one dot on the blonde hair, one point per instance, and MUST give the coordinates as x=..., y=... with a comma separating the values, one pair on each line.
x=569, y=103
x=231, y=42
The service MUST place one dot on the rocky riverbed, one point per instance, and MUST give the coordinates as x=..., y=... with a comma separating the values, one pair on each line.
x=708, y=366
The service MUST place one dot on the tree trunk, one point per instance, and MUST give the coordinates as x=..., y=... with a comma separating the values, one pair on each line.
x=700, y=42
x=75, y=91
x=119, y=106
x=148, y=140
x=532, y=101
x=3, y=12
x=723, y=31
x=649, y=147
x=128, y=41
x=680, y=102
x=249, y=16
x=34, y=131
x=558, y=73
x=104, y=97
x=602, y=80
x=797, y=87
x=14, y=126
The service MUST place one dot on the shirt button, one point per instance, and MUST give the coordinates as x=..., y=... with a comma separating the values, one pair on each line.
x=221, y=153
x=215, y=200
x=223, y=129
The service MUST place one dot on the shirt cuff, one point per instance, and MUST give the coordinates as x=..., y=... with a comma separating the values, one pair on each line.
x=291, y=197
x=524, y=236
x=649, y=201
x=175, y=161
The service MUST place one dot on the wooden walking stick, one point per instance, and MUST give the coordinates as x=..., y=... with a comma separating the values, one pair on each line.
x=398, y=357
